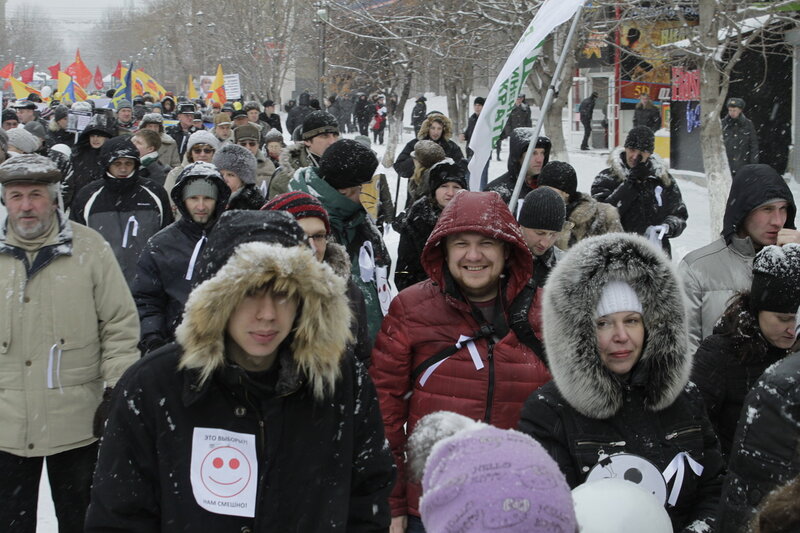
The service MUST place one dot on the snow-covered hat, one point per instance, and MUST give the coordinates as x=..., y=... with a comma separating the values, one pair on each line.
x=480, y=478
x=238, y=160
x=202, y=137
x=618, y=296
x=23, y=140
x=347, y=163
x=30, y=168
x=776, y=279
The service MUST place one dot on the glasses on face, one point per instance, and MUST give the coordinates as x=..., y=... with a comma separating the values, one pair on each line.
x=318, y=238
x=248, y=143
x=196, y=150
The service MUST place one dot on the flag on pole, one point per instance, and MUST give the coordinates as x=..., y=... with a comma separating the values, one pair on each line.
x=21, y=90
x=54, y=70
x=511, y=81
x=69, y=89
x=118, y=71
x=79, y=71
x=125, y=89
x=192, y=91
x=7, y=71
x=98, y=78
x=26, y=76
x=217, y=92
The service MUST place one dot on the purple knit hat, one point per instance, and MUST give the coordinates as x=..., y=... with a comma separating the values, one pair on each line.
x=487, y=479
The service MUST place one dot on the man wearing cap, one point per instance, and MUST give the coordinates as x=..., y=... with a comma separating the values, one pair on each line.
x=168, y=153
x=26, y=111
x=249, y=137
x=185, y=127
x=223, y=128
x=739, y=134
x=123, y=207
x=639, y=185
x=541, y=219
x=270, y=116
x=760, y=211
x=57, y=128
x=519, y=117
x=344, y=167
x=10, y=119
x=586, y=110
x=69, y=325
x=477, y=106
x=168, y=263
x=518, y=147
x=125, y=122
x=320, y=130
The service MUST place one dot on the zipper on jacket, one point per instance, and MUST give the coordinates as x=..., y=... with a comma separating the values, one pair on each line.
x=598, y=443
x=490, y=393
x=682, y=432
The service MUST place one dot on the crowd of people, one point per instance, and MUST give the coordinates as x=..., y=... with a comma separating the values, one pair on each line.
x=202, y=328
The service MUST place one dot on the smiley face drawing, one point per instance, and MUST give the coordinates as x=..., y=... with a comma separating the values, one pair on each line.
x=225, y=471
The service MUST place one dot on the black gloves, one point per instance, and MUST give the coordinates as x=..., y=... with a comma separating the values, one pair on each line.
x=101, y=414
x=639, y=172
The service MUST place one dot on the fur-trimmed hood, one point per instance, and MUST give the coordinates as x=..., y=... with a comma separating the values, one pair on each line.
x=322, y=327
x=658, y=167
x=570, y=298
x=295, y=156
x=447, y=132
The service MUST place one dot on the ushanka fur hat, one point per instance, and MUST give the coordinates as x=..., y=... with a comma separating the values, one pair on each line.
x=253, y=249
x=571, y=295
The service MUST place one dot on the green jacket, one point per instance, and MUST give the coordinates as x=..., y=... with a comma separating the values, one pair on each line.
x=68, y=327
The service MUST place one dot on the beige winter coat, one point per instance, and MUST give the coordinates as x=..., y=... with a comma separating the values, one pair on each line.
x=65, y=333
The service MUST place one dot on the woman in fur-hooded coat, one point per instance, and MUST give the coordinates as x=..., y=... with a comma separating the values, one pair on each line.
x=404, y=165
x=588, y=411
x=305, y=435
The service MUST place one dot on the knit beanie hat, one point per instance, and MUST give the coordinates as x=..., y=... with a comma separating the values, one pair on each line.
x=124, y=104
x=23, y=140
x=61, y=112
x=480, y=100
x=300, y=205
x=319, y=122
x=561, y=176
x=9, y=114
x=246, y=132
x=221, y=119
x=479, y=478
x=202, y=137
x=35, y=127
x=618, y=296
x=238, y=160
x=447, y=171
x=151, y=118
x=641, y=138
x=200, y=187
x=428, y=153
x=347, y=163
x=543, y=209
x=273, y=135
x=776, y=279
x=363, y=139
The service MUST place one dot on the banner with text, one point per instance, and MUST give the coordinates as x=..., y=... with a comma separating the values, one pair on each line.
x=511, y=81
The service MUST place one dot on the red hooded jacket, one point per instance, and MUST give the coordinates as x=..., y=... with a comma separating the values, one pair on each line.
x=429, y=317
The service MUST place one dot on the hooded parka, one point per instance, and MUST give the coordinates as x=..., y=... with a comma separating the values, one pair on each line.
x=588, y=412
x=487, y=379
x=518, y=144
x=304, y=437
x=404, y=165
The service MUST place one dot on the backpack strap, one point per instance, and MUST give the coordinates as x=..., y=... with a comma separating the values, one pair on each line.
x=486, y=330
x=518, y=318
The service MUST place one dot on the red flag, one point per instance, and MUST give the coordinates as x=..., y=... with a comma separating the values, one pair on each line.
x=26, y=76
x=98, y=79
x=54, y=70
x=118, y=72
x=7, y=71
x=79, y=71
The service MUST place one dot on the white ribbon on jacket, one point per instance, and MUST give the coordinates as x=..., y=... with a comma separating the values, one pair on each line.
x=55, y=355
x=132, y=222
x=677, y=468
x=193, y=260
x=473, y=352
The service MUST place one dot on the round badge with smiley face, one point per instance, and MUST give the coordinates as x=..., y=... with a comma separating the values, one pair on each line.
x=225, y=471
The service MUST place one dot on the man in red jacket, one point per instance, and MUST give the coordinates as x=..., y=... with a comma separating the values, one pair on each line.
x=466, y=340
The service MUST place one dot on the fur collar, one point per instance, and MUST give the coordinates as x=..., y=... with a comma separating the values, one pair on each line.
x=336, y=257
x=658, y=167
x=570, y=297
x=295, y=156
x=322, y=327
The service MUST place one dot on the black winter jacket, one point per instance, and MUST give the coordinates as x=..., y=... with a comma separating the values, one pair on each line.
x=404, y=165
x=305, y=480
x=647, y=116
x=651, y=200
x=417, y=227
x=155, y=171
x=586, y=109
x=248, y=197
x=165, y=272
x=87, y=164
x=765, y=452
x=180, y=136
x=298, y=113
x=518, y=144
x=741, y=141
x=726, y=366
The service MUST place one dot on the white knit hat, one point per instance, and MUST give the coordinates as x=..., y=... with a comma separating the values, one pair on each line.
x=618, y=296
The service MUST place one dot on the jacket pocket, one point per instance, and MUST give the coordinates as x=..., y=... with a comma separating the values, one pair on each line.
x=75, y=362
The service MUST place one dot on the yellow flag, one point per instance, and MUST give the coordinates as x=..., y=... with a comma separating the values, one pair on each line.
x=21, y=90
x=192, y=92
x=217, y=93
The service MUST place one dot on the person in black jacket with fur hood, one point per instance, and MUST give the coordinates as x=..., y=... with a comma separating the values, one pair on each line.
x=168, y=264
x=615, y=334
x=259, y=418
x=437, y=128
x=519, y=142
x=238, y=167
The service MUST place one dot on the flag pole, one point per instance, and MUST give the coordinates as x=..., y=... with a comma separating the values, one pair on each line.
x=548, y=100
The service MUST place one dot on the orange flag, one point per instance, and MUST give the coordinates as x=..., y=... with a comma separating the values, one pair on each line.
x=7, y=71
x=79, y=71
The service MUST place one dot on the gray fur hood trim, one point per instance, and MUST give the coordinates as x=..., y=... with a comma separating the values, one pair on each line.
x=336, y=257
x=570, y=298
x=658, y=166
x=322, y=326
x=294, y=157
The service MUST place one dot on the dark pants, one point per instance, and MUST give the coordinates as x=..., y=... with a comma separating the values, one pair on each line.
x=587, y=132
x=378, y=135
x=70, y=475
x=415, y=525
x=363, y=128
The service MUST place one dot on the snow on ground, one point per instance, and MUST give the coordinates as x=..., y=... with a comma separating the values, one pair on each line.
x=587, y=165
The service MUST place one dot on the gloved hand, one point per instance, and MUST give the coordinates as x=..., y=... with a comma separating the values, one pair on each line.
x=101, y=414
x=640, y=172
x=150, y=343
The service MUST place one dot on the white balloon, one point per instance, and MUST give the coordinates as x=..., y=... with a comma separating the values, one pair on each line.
x=618, y=506
x=46, y=91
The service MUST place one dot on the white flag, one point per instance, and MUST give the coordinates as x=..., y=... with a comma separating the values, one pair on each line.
x=511, y=81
